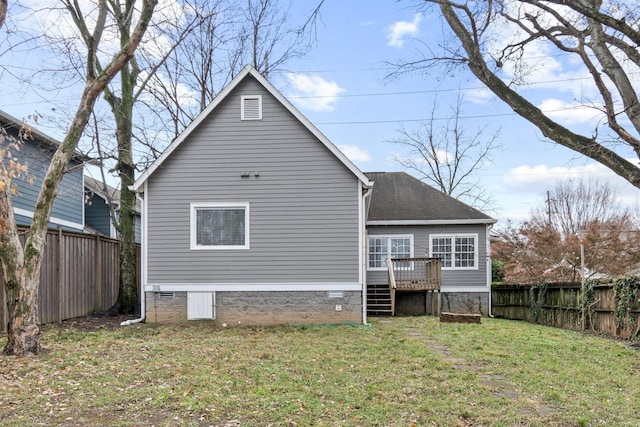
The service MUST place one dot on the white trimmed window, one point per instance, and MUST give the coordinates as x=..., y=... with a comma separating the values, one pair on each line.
x=219, y=225
x=383, y=247
x=457, y=252
x=251, y=107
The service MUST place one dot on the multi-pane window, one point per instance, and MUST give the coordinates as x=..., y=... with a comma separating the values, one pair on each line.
x=383, y=247
x=220, y=226
x=455, y=251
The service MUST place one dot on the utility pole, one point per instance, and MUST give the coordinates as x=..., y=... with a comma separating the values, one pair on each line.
x=549, y=200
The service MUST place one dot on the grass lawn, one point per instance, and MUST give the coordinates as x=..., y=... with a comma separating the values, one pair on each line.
x=395, y=372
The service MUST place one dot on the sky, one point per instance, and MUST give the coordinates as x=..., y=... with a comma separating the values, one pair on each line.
x=340, y=86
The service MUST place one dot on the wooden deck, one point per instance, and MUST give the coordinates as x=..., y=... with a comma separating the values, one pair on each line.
x=415, y=274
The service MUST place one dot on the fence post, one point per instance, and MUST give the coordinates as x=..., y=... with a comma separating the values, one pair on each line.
x=59, y=271
x=97, y=274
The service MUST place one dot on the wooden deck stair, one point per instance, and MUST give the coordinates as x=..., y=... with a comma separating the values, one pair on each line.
x=378, y=300
x=406, y=275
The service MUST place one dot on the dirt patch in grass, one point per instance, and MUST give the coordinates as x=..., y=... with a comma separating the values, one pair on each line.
x=95, y=322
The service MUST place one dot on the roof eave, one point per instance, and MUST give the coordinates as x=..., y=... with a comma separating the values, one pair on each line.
x=38, y=136
x=483, y=221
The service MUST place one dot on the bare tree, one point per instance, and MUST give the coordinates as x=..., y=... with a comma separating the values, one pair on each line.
x=547, y=246
x=266, y=40
x=574, y=204
x=602, y=36
x=172, y=22
x=188, y=80
x=21, y=264
x=448, y=156
x=256, y=32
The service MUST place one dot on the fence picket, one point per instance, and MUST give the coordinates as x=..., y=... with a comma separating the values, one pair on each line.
x=80, y=275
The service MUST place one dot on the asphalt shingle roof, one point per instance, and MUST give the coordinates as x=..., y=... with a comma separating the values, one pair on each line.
x=398, y=196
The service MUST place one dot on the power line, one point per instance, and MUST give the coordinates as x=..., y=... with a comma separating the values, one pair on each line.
x=478, y=116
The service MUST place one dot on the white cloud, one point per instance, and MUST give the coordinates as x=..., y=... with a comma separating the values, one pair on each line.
x=525, y=179
x=313, y=92
x=355, y=153
x=524, y=187
x=480, y=96
x=570, y=112
x=398, y=31
x=443, y=157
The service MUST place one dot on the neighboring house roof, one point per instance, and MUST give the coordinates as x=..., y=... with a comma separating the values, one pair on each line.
x=250, y=71
x=400, y=199
x=14, y=125
x=110, y=195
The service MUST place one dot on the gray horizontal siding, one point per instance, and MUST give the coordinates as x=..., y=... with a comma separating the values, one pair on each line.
x=303, y=206
x=421, y=236
x=69, y=202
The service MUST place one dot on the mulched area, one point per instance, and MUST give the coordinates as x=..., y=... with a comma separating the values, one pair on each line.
x=95, y=322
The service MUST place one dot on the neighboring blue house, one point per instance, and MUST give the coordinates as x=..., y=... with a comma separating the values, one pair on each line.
x=36, y=152
x=99, y=198
x=253, y=216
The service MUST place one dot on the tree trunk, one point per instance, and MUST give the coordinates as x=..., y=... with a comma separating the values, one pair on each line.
x=127, y=296
x=22, y=267
x=123, y=113
x=23, y=334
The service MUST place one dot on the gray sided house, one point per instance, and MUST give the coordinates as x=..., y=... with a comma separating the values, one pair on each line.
x=36, y=153
x=408, y=218
x=252, y=216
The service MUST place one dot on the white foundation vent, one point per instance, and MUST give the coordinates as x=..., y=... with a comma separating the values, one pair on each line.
x=200, y=305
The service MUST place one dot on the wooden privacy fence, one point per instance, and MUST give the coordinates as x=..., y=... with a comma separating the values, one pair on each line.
x=80, y=274
x=611, y=307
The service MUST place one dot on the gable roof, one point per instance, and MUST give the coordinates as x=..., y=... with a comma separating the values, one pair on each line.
x=400, y=199
x=250, y=71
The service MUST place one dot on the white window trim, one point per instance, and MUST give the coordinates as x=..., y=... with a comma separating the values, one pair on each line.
x=453, y=245
x=388, y=237
x=193, y=223
x=242, y=101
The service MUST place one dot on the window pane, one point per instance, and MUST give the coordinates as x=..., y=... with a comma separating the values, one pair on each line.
x=220, y=227
x=401, y=248
x=378, y=252
x=465, y=251
x=441, y=248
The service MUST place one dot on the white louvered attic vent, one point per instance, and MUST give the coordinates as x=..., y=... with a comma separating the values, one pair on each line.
x=251, y=107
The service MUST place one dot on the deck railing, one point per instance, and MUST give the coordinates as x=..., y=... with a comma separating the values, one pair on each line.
x=415, y=274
